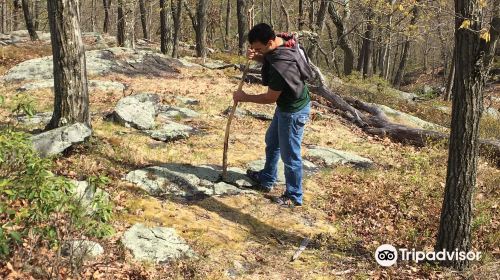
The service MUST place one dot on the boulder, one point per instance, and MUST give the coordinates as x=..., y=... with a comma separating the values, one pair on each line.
x=169, y=112
x=57, y=140
x=137, y=110
x=85, y=194
x=82, y=249
x=170, y=131
x=330, y=157
x=156, y=244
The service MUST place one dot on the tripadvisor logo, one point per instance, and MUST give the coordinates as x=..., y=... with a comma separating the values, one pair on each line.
x=387, y=255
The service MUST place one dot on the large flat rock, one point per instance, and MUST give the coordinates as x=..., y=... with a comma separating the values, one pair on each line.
x=106, y=86
x=99, y=63
x=308, y=168
x=170, y=131
x=57, y=140
x=137, y=110
x=330, y=157
x=156, y=244
x=189, y=181
x=407, y=119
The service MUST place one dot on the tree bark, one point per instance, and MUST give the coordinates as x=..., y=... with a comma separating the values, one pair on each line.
x=71, y=103
x=406, y=49
x=473, y=56
x=126, y=24
x=368, y=45
x=144, y=23
x=241, y=7
x=29, y=20
x=164, y=27
x=201, y=28
x=106, y=5
x=300, y=23
x=3, y=15
x=342, y=39
x=176, y=15
x=287, y=15
x=15, y=14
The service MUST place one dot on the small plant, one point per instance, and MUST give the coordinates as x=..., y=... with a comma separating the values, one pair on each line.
x=33, y=200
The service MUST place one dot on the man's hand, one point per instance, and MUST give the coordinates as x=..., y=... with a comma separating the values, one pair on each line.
x=253, y=55
x=239, y=96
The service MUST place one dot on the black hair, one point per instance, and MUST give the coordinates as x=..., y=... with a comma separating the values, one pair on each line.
x=261, y=32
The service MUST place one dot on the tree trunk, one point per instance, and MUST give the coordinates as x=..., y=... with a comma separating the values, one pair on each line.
x=71, y=103
x=93, y=15
x=287, y=15
x=36, y=14
x=300, y=24
x=3, y=15
x=144, y=22
x=29, y=20
x=368, y=45
x=201, y=28
x=271, y=13
x=164, y=27
x=228, y=20
x=15, y=14
x=402, y=64
x=126, y=23
x=406, y=49
x=241, y=7
x=317, y=28
x=176, y=15
x=106, y=5
x=473, y=56
x=342, y=39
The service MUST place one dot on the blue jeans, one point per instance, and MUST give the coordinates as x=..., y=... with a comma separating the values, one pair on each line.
x=284, y=137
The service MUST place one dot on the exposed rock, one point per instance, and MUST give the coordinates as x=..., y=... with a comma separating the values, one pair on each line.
x=38, y=118
x=86, y=195
x=427, y=89
x=99, y=63
x=492, y=113
x=169, y=112
x=187, y=100
x=57, y=140
x=106, y=86
x=156, y=244
x=331, y=157
x=170, y=131
x=93, y=85
x=188, y=181
x=308, y=168
x=407, y=119
x=137, y=110
x=82, y=249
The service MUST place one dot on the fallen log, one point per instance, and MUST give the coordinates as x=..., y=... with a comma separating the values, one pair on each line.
x=373, y=121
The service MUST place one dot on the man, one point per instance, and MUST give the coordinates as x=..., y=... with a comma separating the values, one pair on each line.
x=284, y=71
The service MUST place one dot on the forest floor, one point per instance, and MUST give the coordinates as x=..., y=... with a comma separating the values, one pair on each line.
x=347, y=213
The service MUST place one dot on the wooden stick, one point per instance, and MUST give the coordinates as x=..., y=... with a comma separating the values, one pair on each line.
x=228, y=126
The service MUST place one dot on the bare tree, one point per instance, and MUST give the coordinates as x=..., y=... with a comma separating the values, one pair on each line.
x=126, y=24
x=29, y=20
x=342, y=40
x=199, y=22
x=406, y=49
x=106, y=5
x=473, y=55
x=144, y=23
x=241, y=7
x=71, y=103
x=176, y=15
x=165, y=29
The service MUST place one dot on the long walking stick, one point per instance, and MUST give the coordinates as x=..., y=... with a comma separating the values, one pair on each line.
x=231, y=115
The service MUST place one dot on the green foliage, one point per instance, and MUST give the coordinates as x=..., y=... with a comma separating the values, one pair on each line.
x=33, y=199
x=25, y=105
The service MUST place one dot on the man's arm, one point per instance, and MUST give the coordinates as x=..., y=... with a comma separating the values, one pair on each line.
x=266, y=98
